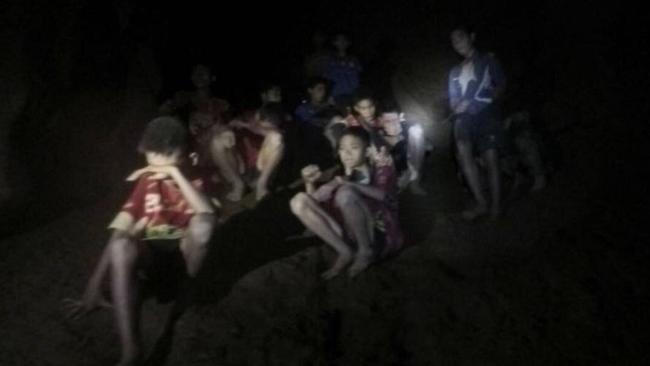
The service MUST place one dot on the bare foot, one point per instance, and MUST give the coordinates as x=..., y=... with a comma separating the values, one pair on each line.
x=474, y=213
x=236, y=193
x=341, y=262
x=540, y=183
x=361, y=262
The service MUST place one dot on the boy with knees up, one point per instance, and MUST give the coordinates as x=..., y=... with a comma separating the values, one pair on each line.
x=159, y=238
x=356, y=213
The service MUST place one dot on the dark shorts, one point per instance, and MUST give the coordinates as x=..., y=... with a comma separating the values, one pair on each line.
x=161, y=271
x=483, y=130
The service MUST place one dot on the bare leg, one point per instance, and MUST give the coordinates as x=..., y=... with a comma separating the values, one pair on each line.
x=359, y=222
x=319, y=222
x=269, y=158
x=416, y=150
x=470, y=170
x=194, y=245
x=491, y=158
x=225, y=159
x=123, y=257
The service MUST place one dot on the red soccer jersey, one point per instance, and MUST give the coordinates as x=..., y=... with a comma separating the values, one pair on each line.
x=167, y=211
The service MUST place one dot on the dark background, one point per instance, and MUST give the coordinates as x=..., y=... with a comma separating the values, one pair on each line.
x=67, y=67
x=561, y=279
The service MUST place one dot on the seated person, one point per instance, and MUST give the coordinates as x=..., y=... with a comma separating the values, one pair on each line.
x=250, y=151
x=356, y=210
x=311, y=111
x=184, y=104
x=342, y=69
x=204, y=132
x=361, y=113
x=207, y=118
x=159, y=240
x=405, y=142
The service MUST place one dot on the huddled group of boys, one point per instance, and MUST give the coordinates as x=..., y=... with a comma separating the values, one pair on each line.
x=199, y=152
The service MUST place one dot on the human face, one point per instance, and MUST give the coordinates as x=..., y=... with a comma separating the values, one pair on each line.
x=201, y=77
x=352, y=152
x=317, y=93
x=390, y=122
x=341, y=42
x=366, y=109
x=158, y=159
x=462, y=42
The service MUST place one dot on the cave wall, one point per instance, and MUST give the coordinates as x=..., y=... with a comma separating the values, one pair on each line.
x=80, y=81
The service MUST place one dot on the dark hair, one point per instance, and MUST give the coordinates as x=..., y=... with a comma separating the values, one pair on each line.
x=272, y=112
x=390, y=106
x=355, y=131
x=463, y=28
x=362, y=95
x=268, y=85
x=312, y=82
x=163, y=135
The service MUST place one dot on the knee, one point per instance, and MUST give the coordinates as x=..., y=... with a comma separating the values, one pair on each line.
x=464, y=149
x=122, y=248
x=223, y=140
x=345, y=196
x=201, y=228
x=298, y=203
x=274, y=139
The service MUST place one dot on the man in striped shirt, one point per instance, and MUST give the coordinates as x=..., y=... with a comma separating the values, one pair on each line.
x=475, y=86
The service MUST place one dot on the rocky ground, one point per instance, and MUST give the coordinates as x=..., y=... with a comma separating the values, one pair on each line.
x=561, y=278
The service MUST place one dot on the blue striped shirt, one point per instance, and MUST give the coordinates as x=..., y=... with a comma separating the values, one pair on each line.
x=478, y=80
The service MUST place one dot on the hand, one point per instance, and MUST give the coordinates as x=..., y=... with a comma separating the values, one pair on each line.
x=340, y=180
x=226, y=137
x=194, y=158
x=311, y=173
x=462, y=106
x=92, y=300
x=382, y=157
